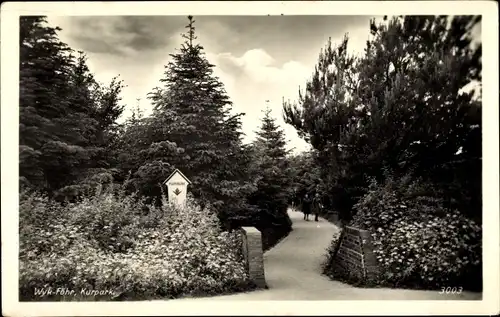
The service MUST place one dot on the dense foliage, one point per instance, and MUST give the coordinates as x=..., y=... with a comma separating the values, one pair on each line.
x=107, y=242
x=391, y=109
x=66, y=117
x=418, y=242
x=403, y=108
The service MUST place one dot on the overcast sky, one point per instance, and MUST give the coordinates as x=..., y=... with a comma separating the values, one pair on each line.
x=258, y=58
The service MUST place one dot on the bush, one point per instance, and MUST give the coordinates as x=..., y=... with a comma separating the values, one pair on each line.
x=418, y=242
x=116, y=242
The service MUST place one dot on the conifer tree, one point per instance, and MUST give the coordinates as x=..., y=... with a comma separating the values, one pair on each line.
x=272, y=165
x=65, y=115
x=193, y=129
x=423, y=120
x=324, y=115
x=44, y=66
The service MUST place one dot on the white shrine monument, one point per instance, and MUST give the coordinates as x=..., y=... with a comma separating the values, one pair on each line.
x=177, y=187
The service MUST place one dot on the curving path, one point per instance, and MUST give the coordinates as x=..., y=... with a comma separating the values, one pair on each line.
x=293, y=271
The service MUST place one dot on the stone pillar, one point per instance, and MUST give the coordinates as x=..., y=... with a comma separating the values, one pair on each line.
x=253, y=253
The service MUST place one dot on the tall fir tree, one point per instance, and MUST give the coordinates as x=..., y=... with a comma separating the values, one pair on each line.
x=192, y=129
x=272, y=165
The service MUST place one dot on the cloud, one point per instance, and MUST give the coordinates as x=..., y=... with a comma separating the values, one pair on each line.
x=256, y=57
x=258, y=66
x=121, y=35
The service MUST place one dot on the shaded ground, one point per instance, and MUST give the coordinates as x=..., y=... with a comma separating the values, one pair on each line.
x=293, y=272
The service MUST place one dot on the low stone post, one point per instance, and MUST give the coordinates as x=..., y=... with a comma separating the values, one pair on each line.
x=253, y=253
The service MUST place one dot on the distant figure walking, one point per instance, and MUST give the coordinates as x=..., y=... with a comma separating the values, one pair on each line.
x=292, y=200
x=306, y=207
x=316, y=206
x=296, y=204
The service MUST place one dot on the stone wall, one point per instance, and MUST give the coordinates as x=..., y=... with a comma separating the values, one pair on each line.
x=354, y=258
x=253, y=254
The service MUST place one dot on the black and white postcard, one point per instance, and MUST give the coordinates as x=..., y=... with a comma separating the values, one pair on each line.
x=232, y=158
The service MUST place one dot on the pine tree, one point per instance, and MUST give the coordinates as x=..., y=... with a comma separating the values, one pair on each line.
x=193, y=129
x=326, y=115
x=399, y=107
x=419, y=115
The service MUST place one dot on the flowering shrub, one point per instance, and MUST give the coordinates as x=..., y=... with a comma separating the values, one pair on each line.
x=116, y=242
x=418, y=242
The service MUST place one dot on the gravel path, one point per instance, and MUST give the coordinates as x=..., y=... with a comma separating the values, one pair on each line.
x=293, y=272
